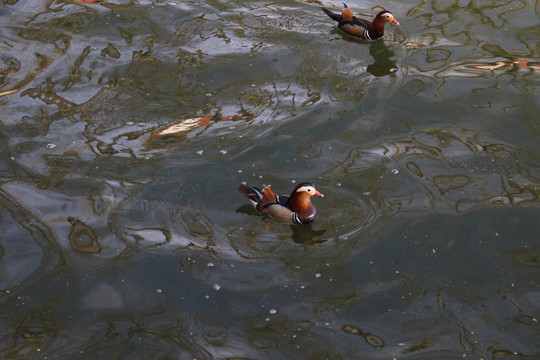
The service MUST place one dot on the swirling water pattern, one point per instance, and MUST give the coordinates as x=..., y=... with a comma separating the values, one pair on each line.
x=120, y=241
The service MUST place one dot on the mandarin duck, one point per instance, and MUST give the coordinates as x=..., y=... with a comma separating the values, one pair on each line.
x=295, y=209
x=360, y=28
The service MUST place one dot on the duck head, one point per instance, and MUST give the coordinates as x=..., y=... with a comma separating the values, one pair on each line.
x=300, y=199
x=384, y=17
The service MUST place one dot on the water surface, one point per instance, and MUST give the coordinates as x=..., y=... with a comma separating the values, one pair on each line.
x=124, y=241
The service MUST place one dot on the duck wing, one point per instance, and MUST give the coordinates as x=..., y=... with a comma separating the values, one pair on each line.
x=362, y=22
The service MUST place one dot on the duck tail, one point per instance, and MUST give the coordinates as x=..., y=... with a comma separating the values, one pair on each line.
x=252, y=193
x=333, y=16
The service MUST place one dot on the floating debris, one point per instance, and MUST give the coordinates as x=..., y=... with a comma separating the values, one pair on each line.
x=9, y=92
x=371, y=339
x=186, y=125
x=509, y=64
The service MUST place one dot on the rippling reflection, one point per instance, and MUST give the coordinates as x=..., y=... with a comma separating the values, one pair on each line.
x=126, y=128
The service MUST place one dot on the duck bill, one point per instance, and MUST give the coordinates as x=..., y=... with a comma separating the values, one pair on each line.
x=318, y=194
x=395, y=21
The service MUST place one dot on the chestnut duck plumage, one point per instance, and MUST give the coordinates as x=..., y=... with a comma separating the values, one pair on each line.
x=296, y=208
x=360, y=28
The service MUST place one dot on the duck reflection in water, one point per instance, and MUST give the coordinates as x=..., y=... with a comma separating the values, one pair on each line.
x=301, y=234
x=304, y=234
x=383, y=64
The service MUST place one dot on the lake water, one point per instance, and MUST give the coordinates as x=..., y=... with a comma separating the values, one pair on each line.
x=126, y=127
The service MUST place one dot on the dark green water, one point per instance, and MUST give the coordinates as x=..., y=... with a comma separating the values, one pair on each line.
x=120, y=242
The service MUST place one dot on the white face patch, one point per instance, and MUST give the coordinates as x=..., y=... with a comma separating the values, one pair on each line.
x=389, y=16
x=308, y=189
